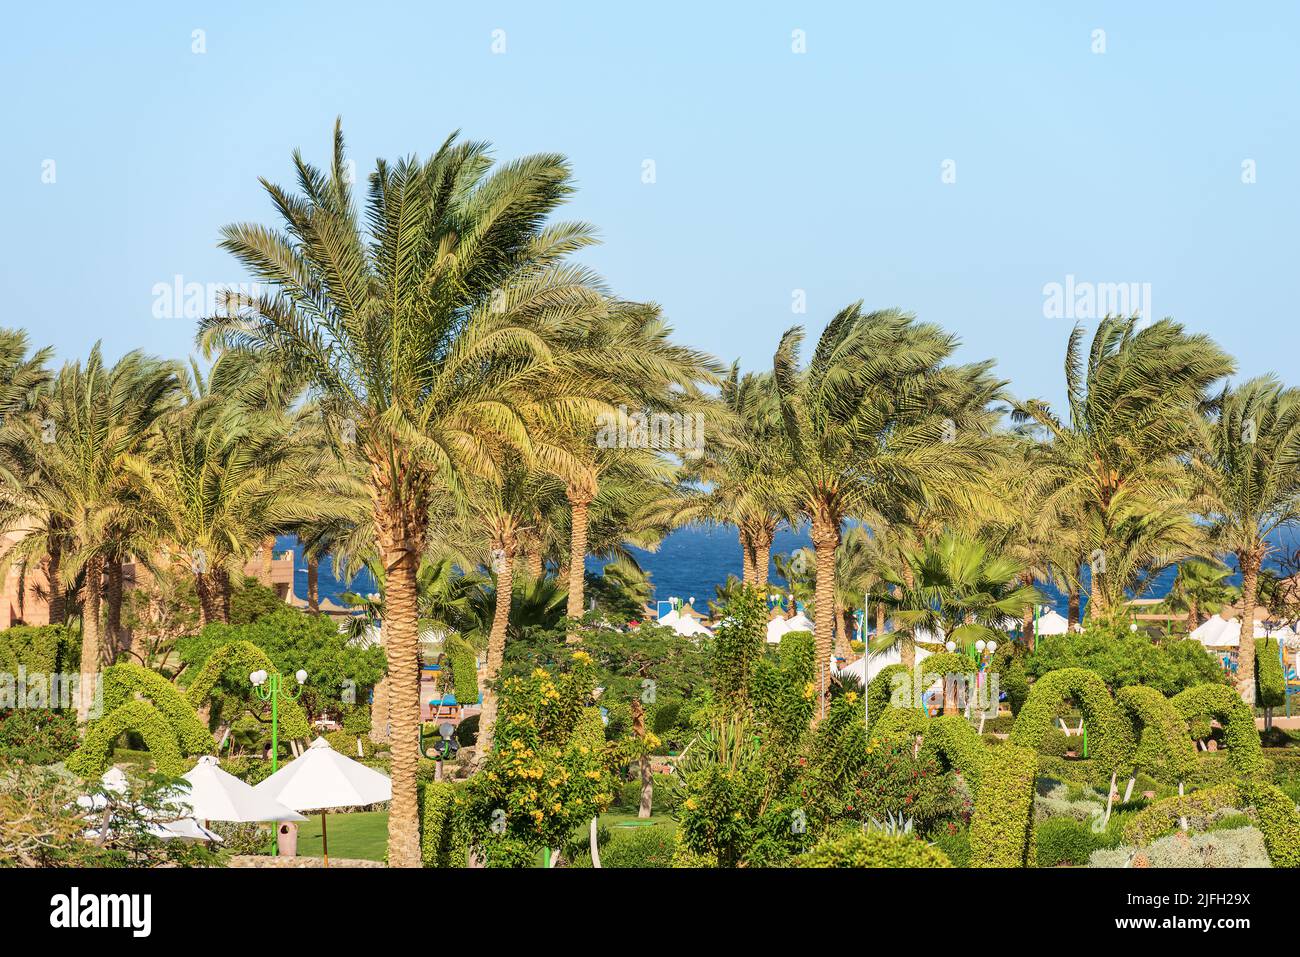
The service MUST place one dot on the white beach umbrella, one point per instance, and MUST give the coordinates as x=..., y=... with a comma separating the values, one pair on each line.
x=184, y=827
x=669, y=619
x=217, y=795
x=1052, y=623
x=1218, y=633
x=322, y=779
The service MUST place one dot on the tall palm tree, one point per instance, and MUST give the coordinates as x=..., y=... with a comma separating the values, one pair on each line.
x=1247, y=472
x=64, y=484
x=423, y=331
x=1115, y=465
x=875, y=419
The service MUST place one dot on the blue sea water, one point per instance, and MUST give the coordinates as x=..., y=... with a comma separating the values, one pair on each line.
x=693, y=561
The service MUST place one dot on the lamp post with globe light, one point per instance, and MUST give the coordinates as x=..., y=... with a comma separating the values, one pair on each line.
x=270, y=688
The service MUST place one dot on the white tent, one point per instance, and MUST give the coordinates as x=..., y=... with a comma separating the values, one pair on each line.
x=1052, y=623
x=689, y=627
x=1217, y=633
x=321, y=779
x=800, y=622
x=669, y=618
x=776, y=628
x=216, y=795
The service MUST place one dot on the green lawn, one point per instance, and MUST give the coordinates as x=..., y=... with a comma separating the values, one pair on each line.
x=363, y=835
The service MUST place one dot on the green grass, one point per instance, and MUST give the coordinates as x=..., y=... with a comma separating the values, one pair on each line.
x=362, y=836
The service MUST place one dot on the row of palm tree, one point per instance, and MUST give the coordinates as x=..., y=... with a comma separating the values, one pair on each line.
x=419, y=387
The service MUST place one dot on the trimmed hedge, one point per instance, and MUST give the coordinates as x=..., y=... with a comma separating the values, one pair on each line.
x=1164, y=750
x=440, y=841
x=872, y=849
x=1277, y=817
x=47, y=649
x=1002, y=830
x=463, y=661
x=951, y=739
x=880, y=692
x=92, y=758
x=122, y=682
x=243, y=658
x=1063, y=840
x=1270, y=685
x=1110, y=738
x=1224, y=705
x=1278, y=820
x=1162, y=817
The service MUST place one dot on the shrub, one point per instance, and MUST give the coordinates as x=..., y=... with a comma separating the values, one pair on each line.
x=1200, y=809
x=650, y=846
x=1123, y=659
x=467, y=731
x=1270, y=685
x=441, y=842
x=954, y=841
x=1062, y=840
x=1163, y=750
x=895, y=781
x=1002, y=830
x=1110, y=738
x=872, y=849
x=92, y=758
x=37, y=735
x=43, y=649
x=1225, y=706
x=1242, y=847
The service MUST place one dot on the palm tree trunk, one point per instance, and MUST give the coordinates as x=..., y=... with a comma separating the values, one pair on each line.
x=825, y=538
x=1250, y=562
x=221, y=583
x=1027, y=620
x=746, y=558
x=534, y=564
x=116, y=640
x=402, y=646
x=762, y=545
x=496, y=645
x=313, y=586
x=268, y=555
x=646, y=803
x=91, y=610
x=580, y=503
x=880, y=618
x=1193, y=615
x=1073, y=609
x=847, y=621
x=209, y=600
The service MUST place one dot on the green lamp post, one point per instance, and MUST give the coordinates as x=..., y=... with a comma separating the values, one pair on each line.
x=270, y=688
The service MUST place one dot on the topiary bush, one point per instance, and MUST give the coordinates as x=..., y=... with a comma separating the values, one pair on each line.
x=1002, y=829
x=1224, y=705
x=1163, y=750
x=872, y=849
x=240, y=659
x=1110, y=738
x=1270, y=685
x=1063, y=840
x=124, y=681
x=441, y=841
x=92, y=758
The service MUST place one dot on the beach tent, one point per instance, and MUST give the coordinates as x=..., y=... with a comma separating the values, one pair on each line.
x=777, y=627
x=800, y=622
x=874, y=663
x=1052, y=623
x=1217, y=633
x=689, y=627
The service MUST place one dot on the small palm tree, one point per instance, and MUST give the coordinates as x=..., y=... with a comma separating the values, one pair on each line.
x=1200, y=587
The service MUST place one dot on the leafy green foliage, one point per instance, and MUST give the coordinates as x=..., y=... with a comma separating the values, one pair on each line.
x=1123, y=658
x=92, y=758
x=1224, y=705
x=45, y=649
x=37, y=735
x=1063, y=840
x=872, y=849
x=1164, y=749
x=1270, y=685
x=1110, y=737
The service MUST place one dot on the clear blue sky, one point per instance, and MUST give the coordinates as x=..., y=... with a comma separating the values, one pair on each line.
x=776, y=171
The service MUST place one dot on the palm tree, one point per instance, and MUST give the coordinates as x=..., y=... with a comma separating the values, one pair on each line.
x=652, y=375
x=1200, y=587
x=1114, y=466
x=874, y=420
x=64, y=481
x=1247, y=473
x=741, y=456
x=957, y=590
x=424, y=333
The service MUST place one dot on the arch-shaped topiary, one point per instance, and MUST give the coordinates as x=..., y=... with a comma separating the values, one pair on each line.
x=122, y=682
x=1110, y=737
x=880, y=691
x=92, y=758
x=243, y=658
x=1163, y=750
x=1224, y=705
x=1003, y=778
